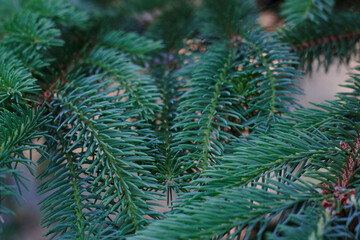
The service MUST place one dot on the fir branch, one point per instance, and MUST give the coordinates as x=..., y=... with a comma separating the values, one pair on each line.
x=298, y=169
x=241, y=168
x=137, y=86
x=18, y=130
x=16, y=82
x=77, y=214
x=236, y=213
x=112, y=152
x=30, y=37
x=204, y=108
x=296, y=12
x=314, y=135
x=307, y=225
x=283, y=176
x=217, y=129
x=169, y=170
x=29, y=29
x=270, y=69
x=336, y=37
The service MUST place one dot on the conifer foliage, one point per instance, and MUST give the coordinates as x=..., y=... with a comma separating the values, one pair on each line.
x=130, y=103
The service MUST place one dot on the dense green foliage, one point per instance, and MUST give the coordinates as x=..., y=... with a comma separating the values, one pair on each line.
x=133, y=102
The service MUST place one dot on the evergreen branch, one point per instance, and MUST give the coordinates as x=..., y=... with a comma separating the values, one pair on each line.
x=284, y=170
x=16, y=82
x=18, y=130
x=236, y=213
x=203, y=110
x=312, y=226
x=337, y=117
x=294, y=169
x=71, y=211
x=296, y=12
x=270, y=69
x=324, y=40
x=315, y=135
x=138, y=87
x=217, y=130
x=29, y=29
x=337, y=36
x=307, y=225
x=17, y=133
x=270, y=75
x=288, y=150
x=169, y=170
x=32, y=60
x=113, y=154
x=30, y=37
